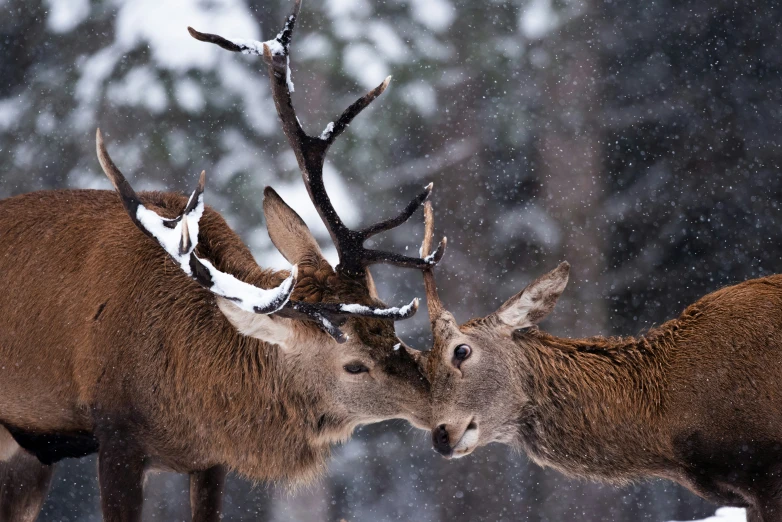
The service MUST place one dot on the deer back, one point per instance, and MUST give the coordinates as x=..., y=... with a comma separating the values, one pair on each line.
x=695, y=400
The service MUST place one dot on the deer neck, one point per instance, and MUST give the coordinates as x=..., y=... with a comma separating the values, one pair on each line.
x=248, y=408
x=593, y=406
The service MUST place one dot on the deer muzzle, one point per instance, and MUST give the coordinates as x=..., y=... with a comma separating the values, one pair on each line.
x=452, y=441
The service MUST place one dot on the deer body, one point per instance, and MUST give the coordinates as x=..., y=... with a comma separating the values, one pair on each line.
x=107, y=346
x=125, y=335
x=140, y=327
x=696, y=400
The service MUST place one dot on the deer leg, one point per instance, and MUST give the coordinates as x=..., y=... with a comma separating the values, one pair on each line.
x=24, y=482
x=754, y=515
x=765, y=509
x=121, y=477
x=206, y=494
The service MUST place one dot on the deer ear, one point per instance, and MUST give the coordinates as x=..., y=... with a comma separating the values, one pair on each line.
x=288, y=231
x=536, y=301
x=267, y=328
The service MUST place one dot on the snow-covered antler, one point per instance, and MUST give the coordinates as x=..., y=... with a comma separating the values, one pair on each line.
x=311, y=152
x=330, y=316
x=179, y=237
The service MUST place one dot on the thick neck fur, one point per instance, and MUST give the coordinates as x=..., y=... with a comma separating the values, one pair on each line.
x=249, y=406
x=249, y=410
x=592, y=407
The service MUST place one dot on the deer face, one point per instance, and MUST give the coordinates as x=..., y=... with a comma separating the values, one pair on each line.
x=370, y=377
x=476, y=370
x=365, y=373
x=377, y=377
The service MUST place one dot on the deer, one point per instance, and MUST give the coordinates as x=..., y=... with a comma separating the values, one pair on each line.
x=139, y=326
x=696, y=400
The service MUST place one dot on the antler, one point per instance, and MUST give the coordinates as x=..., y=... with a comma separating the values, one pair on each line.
x=311, y=152
x=179, y=237
x=433, y=302
x=330, y=316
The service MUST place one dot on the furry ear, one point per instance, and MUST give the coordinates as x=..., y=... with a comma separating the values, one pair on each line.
x=536, y=301
x=288, y=231
x=267, y=328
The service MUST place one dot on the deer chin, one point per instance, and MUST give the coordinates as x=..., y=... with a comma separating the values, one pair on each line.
x=335, y=428
x=467, y=443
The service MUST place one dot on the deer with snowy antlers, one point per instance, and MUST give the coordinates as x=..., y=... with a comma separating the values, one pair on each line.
x=172, y=349
x=696, y=400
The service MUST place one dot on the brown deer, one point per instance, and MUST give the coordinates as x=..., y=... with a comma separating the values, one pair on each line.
x=697, y=400
x=172, y=349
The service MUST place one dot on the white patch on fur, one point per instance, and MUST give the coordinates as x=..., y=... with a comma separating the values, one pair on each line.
x=8, y=446
x=273, y=330
x=466, y=444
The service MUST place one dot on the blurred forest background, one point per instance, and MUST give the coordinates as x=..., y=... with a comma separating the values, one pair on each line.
x=636, y=139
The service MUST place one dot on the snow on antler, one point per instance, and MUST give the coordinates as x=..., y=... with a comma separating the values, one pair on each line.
x=310, y=151
x=278, y=46
x=397, y=313
x=179, y=237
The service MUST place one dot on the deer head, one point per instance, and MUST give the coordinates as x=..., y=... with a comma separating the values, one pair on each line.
x=337, y=336
x=473, y=368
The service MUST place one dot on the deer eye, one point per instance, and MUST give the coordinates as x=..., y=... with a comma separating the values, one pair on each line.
x=460, y=354
x=355, y=368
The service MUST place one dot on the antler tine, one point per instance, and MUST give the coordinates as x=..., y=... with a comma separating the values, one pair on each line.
x=334, y=129
x=311, y=312
x=311, y=151
x=243, y=46
x=128, y=196
x=179, y=238
x=427, y=260
x=433, y=302
x=237, y=46
x=329, y=316
x=401, y=218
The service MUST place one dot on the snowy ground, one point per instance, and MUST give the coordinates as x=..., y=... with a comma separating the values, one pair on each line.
x=727, y=514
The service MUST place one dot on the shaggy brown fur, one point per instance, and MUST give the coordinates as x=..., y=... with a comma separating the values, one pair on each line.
x=697, y=400
x=105, y=343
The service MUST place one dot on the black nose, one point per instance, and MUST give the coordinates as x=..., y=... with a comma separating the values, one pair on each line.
x=441, y=442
